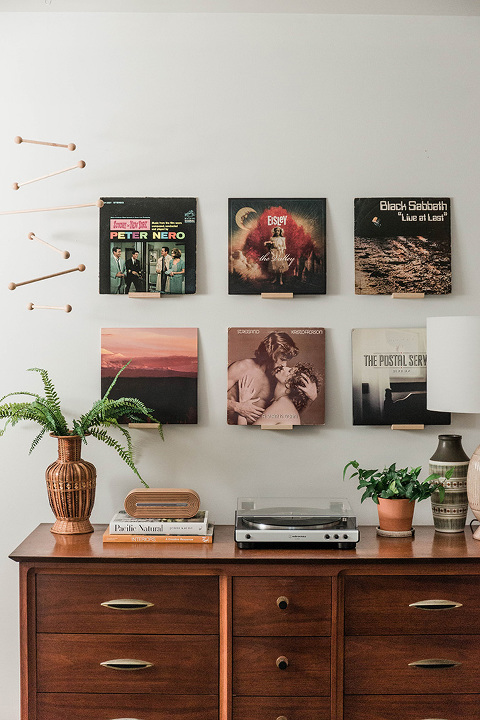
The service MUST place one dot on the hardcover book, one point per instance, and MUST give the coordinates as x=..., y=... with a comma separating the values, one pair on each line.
x=207, y=538
x=276, y=245
x=276, y=376
x=123, y=523
x=390, y=378
x=162, y=372
x=148, y=245
x=402, y=245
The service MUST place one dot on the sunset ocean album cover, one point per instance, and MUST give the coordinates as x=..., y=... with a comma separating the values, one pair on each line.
x=162, y=372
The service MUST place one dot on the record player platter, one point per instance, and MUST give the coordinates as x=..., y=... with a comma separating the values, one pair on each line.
x=321, y=522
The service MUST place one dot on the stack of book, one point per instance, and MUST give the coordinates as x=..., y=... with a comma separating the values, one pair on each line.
x=126, y=529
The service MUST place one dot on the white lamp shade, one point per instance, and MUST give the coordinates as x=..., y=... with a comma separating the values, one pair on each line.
x=453, y=364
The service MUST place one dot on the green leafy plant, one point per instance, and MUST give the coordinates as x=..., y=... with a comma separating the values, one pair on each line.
x=395, y=484
x=45, y=410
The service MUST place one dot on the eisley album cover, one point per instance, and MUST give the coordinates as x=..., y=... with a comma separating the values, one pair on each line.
x=390, y=378
x=402, y=245
x=148, y=245
x=276, y=376
x=276, y=245
x=162, y=372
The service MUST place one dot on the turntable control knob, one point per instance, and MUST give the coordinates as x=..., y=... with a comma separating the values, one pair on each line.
x=282, y=602
x=282, y=662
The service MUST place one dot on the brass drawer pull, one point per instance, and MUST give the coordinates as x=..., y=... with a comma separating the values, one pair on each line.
x=434, y=663
x=126, y=664
x=282, y=662
x=436, y=605
x=282, y=602
x=126, y=718
x=281, y=717
x=127, y=604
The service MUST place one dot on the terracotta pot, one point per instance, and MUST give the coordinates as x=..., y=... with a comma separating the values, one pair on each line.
x=395, y=515
x=71, y=488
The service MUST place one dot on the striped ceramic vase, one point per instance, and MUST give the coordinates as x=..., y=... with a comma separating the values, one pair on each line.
x=449, y=516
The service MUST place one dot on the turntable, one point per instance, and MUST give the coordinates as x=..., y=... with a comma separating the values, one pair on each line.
x=307, y=521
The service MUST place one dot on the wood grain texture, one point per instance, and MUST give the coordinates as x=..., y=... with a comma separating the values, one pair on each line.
x=270, y=708
x=182, y=664
x=381, y=605
x=412, y=707
x=255, y=671
x=372, y=663
x=225, y=658
x=181, y=605
x=308, y=606
x=60, y=706
x=426, y=545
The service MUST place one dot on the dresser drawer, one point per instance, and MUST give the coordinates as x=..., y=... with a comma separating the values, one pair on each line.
x=164, y=604
x=384, y=605
x=60, y=706
x=256, y=664
x=272, y=708
x=411, y=707
x=381, y=665
x=282, y=606
x=180, y=665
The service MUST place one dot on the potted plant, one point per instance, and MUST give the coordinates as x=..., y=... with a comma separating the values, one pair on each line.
x=71, y=480
x=394, y=491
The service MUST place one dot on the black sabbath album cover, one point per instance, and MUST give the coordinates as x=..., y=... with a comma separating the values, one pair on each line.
x=276, y=376
x=162, y=370
x=390, y=378
x=277, y=245
x=402, y=245
x=148, y=245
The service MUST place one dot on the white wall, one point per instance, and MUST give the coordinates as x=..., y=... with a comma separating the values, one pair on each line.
x=220, y=106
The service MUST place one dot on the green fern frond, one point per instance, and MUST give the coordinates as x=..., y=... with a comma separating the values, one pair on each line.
x=123, y=452
x=37, y=440
x=50, y=392
x=115, y=380
x=52, y=401
x=19, y=393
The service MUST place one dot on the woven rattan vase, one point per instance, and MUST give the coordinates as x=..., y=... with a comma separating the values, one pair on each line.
x=71, y=488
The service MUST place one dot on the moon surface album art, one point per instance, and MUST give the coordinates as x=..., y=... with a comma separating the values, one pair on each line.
x=277, y=246
x=402, y=245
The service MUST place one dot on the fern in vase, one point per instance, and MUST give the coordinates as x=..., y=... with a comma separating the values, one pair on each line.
x=45, y=410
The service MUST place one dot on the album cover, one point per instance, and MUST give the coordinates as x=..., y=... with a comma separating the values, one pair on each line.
x=148, y=245
x=276, y=245
x=390, y=378
x=276, y=376
x=162, y=372
x=402, y=245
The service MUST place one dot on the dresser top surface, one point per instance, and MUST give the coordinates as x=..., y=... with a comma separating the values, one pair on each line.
x=42, y=545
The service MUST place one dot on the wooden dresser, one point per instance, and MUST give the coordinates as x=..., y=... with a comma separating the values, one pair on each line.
x=388, y=631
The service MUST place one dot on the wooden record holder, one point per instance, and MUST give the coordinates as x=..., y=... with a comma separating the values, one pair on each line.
x=408, y=296
x=162, y=503
x=144, y=295
x=276, y=427
x=277, y=296
x=417, y=426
